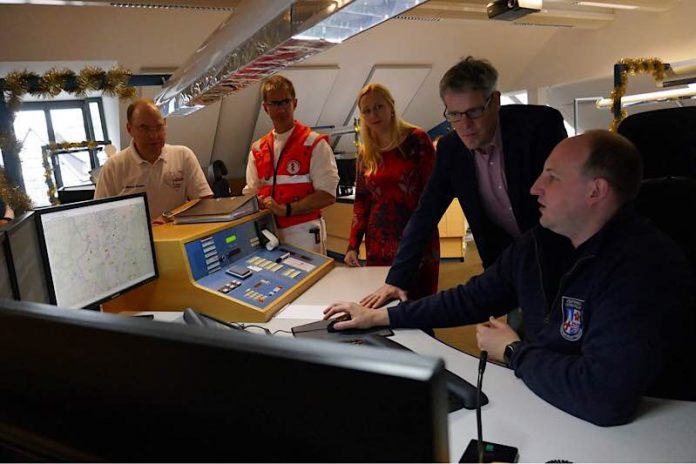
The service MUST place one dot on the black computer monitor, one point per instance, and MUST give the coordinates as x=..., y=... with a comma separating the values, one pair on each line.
x=24, y=254
x=78, y=385
x=96, y=250
x=6, y=271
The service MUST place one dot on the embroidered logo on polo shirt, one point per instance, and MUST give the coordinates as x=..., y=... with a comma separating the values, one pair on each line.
x=174, y=178
x=293, y=167
x=571, y=327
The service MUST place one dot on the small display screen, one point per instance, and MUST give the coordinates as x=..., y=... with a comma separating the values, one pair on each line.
x=231, y=239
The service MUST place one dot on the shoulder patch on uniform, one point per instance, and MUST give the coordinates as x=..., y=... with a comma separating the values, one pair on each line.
x=572, y=324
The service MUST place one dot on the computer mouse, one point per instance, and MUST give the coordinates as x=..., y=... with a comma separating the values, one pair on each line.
x=332, y=322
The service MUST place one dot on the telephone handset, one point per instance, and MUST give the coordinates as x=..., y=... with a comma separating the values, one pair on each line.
x=272, y=242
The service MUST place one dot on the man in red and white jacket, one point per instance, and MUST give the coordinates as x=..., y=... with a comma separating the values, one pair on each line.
x=292, y=169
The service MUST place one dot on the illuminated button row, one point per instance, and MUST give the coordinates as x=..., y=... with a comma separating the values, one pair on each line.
x=212, y=262
x=260, y=297
x=265, y=264
x=251, y=294
x=291, y=273
x=229, y=286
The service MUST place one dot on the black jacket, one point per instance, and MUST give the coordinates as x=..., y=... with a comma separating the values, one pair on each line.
x=529, y=133
x=604, y=324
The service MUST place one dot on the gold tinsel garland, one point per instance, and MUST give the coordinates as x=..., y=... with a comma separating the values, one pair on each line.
x=90, y=144
x=52, y=192
x=13, y=196
x=633, y=66
x=113, y=82
x=47, y=151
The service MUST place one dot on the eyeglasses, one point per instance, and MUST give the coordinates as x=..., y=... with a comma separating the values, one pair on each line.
x=279, y=103
x=471, y=113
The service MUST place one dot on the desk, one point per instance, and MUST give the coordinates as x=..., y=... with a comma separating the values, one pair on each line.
x=338, y=217
x=663, y=431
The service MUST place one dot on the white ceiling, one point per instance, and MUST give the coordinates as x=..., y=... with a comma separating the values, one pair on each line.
x=541, y=59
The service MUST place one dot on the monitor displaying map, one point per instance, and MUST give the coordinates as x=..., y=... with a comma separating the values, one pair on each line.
x=97, y=249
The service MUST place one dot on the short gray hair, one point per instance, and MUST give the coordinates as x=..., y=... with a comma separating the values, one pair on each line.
x=470, y=74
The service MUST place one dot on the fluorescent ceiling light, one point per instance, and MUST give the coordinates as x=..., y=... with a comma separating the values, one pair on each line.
x=357, y=16
x=240, y=53
x=661, y=95
x=617, y=6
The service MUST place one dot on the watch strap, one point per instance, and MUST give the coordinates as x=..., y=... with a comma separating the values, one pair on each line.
x=509, y=352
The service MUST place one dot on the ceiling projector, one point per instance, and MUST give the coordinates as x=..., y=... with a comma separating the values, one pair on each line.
x=510, y=10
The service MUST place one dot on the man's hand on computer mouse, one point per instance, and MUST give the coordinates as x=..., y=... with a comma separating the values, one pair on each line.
x=360, y=316
x=383, y=295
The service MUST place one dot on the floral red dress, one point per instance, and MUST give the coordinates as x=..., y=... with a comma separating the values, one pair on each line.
x=384, y=202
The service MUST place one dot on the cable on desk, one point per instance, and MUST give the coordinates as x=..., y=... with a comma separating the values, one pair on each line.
x=250, y=326
x=282, y=331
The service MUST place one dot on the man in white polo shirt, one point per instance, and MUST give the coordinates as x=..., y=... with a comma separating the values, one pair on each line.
x=169, y=174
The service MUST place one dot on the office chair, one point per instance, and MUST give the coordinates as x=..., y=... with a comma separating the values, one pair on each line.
x=670, y=203
x=215, y=176
x=666, y=140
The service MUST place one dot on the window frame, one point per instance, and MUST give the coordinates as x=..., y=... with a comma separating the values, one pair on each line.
x=84, y=106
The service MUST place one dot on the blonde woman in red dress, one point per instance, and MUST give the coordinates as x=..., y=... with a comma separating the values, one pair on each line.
x=395, y=160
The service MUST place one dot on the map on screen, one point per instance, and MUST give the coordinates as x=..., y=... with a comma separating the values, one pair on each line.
x=97, y=250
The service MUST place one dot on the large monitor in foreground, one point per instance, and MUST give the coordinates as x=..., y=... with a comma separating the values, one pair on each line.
x=6, y=272
x=23, y=253
x=95, y=386
x=96, y=250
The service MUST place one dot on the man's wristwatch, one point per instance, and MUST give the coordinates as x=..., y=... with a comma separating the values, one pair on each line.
x=509, y=351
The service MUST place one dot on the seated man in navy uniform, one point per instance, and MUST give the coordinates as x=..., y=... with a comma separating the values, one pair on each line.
x=606, y=297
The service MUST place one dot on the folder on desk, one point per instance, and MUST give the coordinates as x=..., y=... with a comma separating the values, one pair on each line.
x=218, y=210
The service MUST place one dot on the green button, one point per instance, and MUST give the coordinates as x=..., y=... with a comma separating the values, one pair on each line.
x=489, y=447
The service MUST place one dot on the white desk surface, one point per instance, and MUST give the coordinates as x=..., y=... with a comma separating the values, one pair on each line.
x=664, y=431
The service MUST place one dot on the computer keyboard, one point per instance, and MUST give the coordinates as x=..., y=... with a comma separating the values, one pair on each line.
x=460, y=393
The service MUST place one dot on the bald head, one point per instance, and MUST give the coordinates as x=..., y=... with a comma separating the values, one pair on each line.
x=140, y=103
x=615, y=158
x=585, y=181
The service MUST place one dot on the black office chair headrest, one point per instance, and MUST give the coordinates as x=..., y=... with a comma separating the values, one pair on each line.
x=666, y=139
x=670, y=203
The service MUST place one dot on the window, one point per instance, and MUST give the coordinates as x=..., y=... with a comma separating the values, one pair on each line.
x=514, y=98
x=40, y=123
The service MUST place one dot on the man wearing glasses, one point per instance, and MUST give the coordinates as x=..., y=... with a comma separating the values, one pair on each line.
x=489, y=162
x=292, y=169
x=169, y=174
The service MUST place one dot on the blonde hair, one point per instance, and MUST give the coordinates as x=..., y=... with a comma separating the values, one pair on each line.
x=368, y=150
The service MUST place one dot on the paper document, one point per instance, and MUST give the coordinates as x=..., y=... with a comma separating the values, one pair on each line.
x=300, y=311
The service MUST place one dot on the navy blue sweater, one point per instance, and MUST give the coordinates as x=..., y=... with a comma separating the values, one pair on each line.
x=604, y=324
